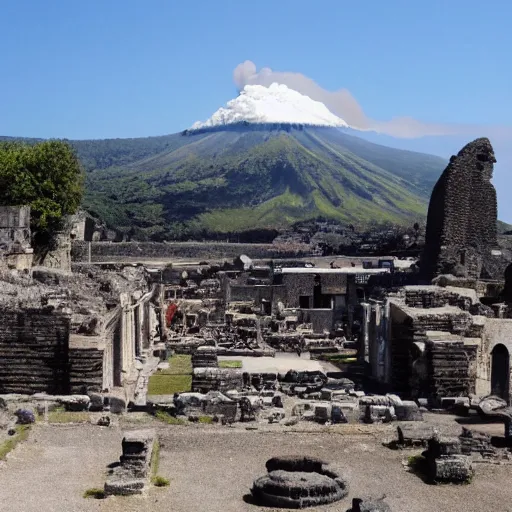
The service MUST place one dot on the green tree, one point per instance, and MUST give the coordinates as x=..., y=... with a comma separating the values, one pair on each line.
x=48, y=177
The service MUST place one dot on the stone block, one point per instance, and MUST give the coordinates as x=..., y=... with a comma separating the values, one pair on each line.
x=452, y=468
x=96, y=403
x=323, y=413
x=369, y=505
x=337, y=414
x=408, y=411
x=117, y=404
x=75, y=402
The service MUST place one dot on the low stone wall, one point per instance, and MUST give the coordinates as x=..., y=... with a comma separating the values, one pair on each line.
x=129, y=251
x=216, y=379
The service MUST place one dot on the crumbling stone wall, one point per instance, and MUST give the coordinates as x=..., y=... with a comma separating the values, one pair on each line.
x=496, y=331
x=85, y=368
x=409, y=331
x=126, y=251
x=450, y=369
x=320, y=319
x=462, y=214
x=436, y=297
x=244, y=293
x=34, y=354
x=15, y=249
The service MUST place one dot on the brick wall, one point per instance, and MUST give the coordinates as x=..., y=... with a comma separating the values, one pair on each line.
x=34, y=354
x=86, y=370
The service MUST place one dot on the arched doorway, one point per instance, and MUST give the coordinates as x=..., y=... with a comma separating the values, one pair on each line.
x=500, y=371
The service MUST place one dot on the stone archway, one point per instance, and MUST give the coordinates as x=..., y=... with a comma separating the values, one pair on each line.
x=500, y=371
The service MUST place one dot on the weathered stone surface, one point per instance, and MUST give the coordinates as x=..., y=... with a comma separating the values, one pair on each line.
x=408, y=411
x=117, y=401
x=452, y=468
x=75, y=402
x=131, y=476
x=299, y=482
x=369, y=505
x=445, y=461
x=462, y=215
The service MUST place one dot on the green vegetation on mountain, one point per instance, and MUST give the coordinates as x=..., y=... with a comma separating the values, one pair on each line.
x=196, y=185
x=230, y=181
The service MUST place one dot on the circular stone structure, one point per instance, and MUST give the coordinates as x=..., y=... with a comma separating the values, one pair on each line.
x=299, y=482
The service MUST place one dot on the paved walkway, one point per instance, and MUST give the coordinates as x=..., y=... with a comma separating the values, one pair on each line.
x=281, y=363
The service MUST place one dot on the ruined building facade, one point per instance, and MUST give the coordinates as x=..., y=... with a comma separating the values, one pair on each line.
x=462, y=216
x=15, y=250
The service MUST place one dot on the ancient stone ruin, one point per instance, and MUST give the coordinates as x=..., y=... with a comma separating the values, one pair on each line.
x=132, y=474
x=299, y=482
x=15, y=249
x=462, y=215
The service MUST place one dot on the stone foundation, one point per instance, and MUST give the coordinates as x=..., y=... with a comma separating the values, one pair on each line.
x=299, y=482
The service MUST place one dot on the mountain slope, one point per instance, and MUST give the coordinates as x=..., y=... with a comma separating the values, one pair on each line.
x=229, y=180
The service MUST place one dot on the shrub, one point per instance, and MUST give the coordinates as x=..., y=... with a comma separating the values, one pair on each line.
x=25, y=417
x=170, y=420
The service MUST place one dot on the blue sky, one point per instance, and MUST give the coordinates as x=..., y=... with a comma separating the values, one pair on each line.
x=127, y=68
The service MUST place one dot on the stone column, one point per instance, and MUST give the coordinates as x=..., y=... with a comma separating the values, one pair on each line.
x=365, y=346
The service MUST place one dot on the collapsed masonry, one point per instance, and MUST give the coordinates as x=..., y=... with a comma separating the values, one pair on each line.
x=79, y=332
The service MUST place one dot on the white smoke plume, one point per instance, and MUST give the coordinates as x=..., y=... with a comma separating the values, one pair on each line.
x=344, y=105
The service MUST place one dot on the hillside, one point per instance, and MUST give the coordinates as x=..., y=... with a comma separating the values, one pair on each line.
x=258, y=177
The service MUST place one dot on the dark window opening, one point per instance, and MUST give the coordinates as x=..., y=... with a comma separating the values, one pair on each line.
x=304, y=301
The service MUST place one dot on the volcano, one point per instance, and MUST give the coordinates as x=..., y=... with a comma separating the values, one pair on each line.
x=270, y=158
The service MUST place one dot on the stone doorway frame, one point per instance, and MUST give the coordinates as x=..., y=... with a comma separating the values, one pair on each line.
x=500, y=371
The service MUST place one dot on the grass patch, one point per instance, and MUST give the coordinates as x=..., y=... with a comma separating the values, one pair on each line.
x=169, y=384
x=157, y=480
x=68, y=417
x=179, y=364
x=207, y=420
x=338, y=358
x=155, y=458
x=11, y=443
x=95, y=493
x=167, y=418
x=175, y=379
x=230, y=363
x=160, y=481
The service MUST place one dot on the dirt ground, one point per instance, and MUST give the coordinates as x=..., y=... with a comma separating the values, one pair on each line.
x=211, y=468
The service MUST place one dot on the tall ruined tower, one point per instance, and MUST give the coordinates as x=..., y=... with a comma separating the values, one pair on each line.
x=462, y=215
